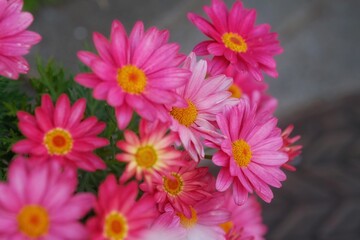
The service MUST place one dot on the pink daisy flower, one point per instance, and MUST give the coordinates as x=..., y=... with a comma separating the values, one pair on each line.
x=205, y=98
x=205, y=219
x=181, y=187
x=39, y=203
x=250, y=154
x=246, y=220
x=165, y=226
x=15, y=40
x=236, y=41
x=152, y=152
x=118, y=214
x=139, y=72
x=60, y=133
x=291, y=150
x=243, y=83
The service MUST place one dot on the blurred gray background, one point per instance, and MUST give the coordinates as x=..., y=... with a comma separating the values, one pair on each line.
x=318, y=89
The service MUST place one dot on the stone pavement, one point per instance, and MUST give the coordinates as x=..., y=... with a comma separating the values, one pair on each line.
x=319, y=68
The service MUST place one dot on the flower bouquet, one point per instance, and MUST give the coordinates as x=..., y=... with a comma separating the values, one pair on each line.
x=146, y=142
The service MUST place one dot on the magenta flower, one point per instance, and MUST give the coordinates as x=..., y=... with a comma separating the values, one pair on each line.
x=205, y=219
x=139, y=72
x=118, y=214
x=182, y=187
x=153, y=152
x=60, y=133
x=205, y=98
x=246, y=220
x=250, y=153
x=289, y=148
x=236, y=41
x=15, y=40
x=37, y=202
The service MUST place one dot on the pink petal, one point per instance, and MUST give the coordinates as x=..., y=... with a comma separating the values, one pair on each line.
x=123, y=116
x=239, y=193
x=223, y=180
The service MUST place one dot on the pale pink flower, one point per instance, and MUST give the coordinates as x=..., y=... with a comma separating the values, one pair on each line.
x=61, y=134
x=205, y=219
x=250, y=153
x=243, y=83
x=15, y=40
x=38, y=202
x=236, y=41
x=153, y=151
x=245, y=222
x=139, y=72
x=205, y=98
x=118, y=215
x=181, y=187
x=291, y=150
x=165, y=226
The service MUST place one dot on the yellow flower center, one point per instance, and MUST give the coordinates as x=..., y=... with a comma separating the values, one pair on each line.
x=227, y=226
x=58, y=141
x=235, y=91
x=131, y=79
x=188, y=222
x=234, y=42
x=173, y=185
x=241, y=152
x=185, y=116
x=146, y=156
x=115, y=227
x=33, y=221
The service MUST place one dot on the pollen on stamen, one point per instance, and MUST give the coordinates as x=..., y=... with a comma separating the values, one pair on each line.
x=146, y=157
x=234, y=42
x=131, y=79
x=185, y=116
x=241, y=152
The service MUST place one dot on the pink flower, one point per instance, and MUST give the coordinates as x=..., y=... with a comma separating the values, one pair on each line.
x=204, y=221
x=152, y=152
x=245, y=222
x=37, y=202
x=236, y=41
x=205, y=98
x=139, y=72
x=243, y=83
x=15, y=40
x=60, y=133
x=250, y=154
x=118, y=214
x=291, y=150
x=181, y=187
x=165, y=226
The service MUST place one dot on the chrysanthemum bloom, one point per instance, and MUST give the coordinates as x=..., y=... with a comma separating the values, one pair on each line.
x=243, y=83
x=139, y=72
x=15, y=40
x=205, y=98
x=291, y=150
x=246, y=220
x=60, y=133
x=250, y=154
x=165, y=226
x=153, y=151
x=205, y=219
x=118, y=214
x=37, y=202
x=236, y=41
x=181, y=187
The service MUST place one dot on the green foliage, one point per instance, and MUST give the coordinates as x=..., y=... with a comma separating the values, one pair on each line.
x=25, y=95
x=34, y=5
